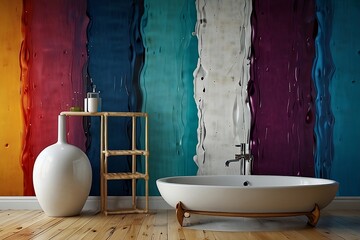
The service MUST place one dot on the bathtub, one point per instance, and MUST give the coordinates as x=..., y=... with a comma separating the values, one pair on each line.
x=248, y=195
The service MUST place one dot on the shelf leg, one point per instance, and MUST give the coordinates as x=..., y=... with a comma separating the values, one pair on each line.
x=102, y=180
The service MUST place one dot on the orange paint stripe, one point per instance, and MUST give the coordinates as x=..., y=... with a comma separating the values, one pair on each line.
x=11, y=176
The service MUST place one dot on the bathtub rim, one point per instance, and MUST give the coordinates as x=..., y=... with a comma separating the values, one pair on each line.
x=320, y=181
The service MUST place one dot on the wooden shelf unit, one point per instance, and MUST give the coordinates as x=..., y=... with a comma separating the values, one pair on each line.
x=105, y=153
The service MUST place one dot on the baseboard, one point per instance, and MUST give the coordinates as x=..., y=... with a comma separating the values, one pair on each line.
x=344, y=203
x=123, y=202
x=155, y=202
x=92, y=203
x=19, y=203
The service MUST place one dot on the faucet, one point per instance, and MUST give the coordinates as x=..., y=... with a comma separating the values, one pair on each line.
x=245, y=158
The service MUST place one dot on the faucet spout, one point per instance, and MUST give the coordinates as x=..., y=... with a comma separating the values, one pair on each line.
x=245, y=158
x=227, y=163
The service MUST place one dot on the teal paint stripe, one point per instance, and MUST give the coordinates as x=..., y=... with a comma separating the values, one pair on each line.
x=167, y=86
x=345, y=100
x=323, y=70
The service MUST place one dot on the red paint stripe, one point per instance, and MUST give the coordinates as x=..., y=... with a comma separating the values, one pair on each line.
x=52, y=58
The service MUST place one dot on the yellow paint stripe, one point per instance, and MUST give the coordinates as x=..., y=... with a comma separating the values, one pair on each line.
x=11, y=176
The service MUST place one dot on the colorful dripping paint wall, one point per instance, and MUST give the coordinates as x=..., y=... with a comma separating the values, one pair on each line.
x=282, y=75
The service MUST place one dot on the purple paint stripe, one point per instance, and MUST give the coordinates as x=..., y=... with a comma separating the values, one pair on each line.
x=281, y=88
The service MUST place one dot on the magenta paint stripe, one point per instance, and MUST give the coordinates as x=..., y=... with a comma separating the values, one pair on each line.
x=281, y=87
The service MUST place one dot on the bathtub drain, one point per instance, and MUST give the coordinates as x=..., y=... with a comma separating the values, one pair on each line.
x=246, y=183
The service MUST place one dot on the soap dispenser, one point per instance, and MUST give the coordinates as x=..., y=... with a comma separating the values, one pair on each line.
x=92, y=102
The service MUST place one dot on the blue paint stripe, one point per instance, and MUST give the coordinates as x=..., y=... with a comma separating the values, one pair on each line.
x=115, y=59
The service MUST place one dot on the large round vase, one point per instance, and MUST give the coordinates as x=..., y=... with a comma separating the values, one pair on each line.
x=62, y=177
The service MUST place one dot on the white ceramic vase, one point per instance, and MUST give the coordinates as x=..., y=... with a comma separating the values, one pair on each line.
x=62, y=177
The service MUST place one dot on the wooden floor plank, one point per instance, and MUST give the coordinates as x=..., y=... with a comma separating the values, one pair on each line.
x=14, y=226
x=35, y=229
x=346, y=225
x=14, y=216
x=5, y=214
x=59, y=228
x=17, y=221
x=236, y=235
x=77, y=229
x=162, y=224
x=123, y=226
x=147, y=227
x=174, y=229
x=91, y=228
x=135, y=226
x=154, y=226
x=106, y=230
x=160, y=231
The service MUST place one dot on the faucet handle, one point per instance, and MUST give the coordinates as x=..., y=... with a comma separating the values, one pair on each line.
x=244, y=148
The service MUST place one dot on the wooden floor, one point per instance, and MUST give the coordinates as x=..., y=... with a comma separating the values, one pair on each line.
x=162, y=224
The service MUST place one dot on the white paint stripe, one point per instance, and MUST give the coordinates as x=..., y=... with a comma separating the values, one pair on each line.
x=220, y=81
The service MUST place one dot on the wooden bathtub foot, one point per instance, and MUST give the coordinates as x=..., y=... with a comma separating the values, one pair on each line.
x=314, y=216
x=180, y=212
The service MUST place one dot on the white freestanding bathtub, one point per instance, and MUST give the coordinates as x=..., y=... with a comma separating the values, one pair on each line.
x=248, y=195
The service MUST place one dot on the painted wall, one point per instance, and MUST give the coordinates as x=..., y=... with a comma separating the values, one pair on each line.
x=11, y=126
x=282, y=95
x=52, y=56
x=167, y=87
x=220, y=83
x=344, y=91
x=115, y=49
x=282, y=74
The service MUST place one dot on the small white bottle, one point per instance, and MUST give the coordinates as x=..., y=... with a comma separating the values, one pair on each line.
x=92, y=103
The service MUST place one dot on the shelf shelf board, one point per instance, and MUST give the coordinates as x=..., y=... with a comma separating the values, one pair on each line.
x=110, y=114
x=125, y=211
x=109, y=153
x=125, y=175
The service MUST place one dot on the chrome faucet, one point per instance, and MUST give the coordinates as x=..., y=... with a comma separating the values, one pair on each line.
x=245, y=158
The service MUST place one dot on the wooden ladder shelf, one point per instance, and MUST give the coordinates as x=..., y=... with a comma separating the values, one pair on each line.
x=106, y=153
